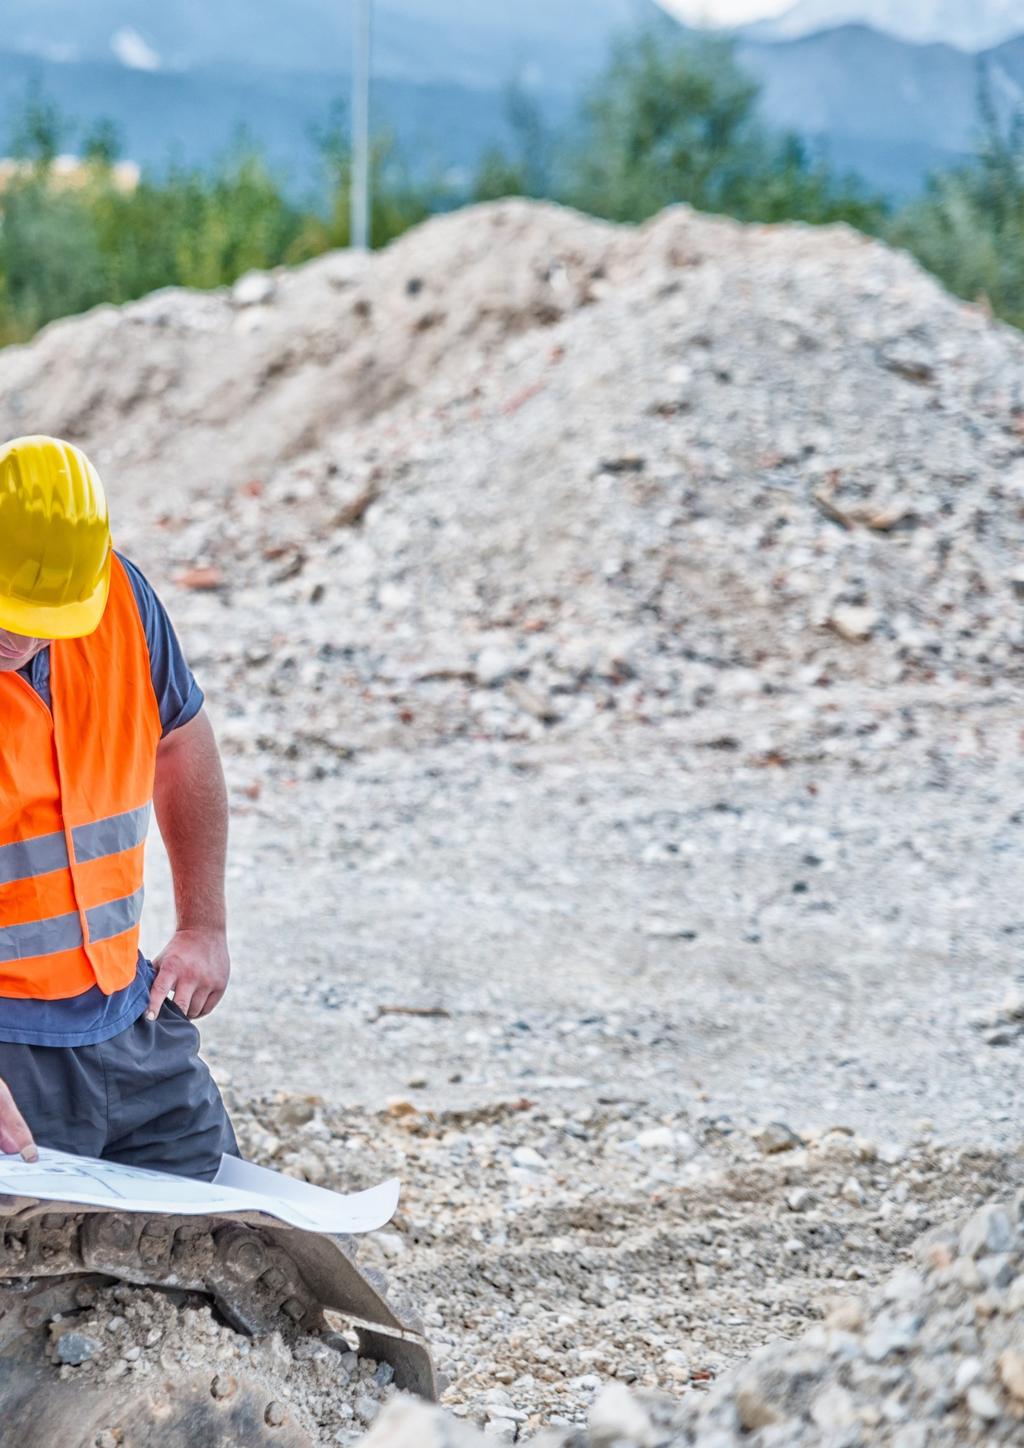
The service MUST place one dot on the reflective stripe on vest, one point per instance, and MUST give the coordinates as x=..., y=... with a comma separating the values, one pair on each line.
x=50, y=852
x=64, y=932
x=76, y=785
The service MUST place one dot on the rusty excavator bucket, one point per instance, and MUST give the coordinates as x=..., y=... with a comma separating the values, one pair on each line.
x=259, y=1274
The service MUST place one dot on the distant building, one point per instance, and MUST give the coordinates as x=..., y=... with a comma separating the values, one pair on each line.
x=71, y=171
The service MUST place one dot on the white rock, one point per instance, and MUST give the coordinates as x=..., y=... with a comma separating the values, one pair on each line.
x=968, y=1371
x=853, y=1192
x=989, y=1230
x=494, y=664
x=853, y=623
x=775, y=1136
x=656, y=1138
x=529, y=1159
x=833, y=1409
x=905, y=1285
x=1013, y=1003
x=618, y=1415
x=253, y=290
x=411, y=1423
x=983, y=1403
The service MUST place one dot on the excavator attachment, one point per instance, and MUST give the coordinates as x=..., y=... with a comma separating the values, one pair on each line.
x=259, y=1274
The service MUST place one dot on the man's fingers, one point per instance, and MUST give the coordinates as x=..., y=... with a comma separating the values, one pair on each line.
x=162, y=987
x=14, y=1133
x=198, y=1005
x=212, y=1001
x=184, y=995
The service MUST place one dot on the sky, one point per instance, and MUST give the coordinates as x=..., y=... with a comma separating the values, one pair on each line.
x=726, y=12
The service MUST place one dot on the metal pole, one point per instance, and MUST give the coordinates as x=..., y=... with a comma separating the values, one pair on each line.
x=360, y=220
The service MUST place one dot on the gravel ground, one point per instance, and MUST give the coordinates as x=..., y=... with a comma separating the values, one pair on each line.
x=131, y=1339
x=801, y=942
x=555, y=1250
x=615, y=639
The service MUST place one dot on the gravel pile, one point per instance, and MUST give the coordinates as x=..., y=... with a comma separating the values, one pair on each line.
x=615, y=639
x=554, y=1253
x=133, y=1336
x=593, y=1279
x=663, y=513
x=526, y=474
x=933, y=1358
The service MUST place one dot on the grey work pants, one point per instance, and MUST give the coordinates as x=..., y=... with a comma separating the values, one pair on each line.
x=144, y=1098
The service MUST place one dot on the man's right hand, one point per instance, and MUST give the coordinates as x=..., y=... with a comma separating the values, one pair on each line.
x=14, y=1133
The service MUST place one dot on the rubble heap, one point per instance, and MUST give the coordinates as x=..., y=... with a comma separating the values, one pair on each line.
x=554, y=1253
x=935, y=1356
x=594, y=1277
x=525, y=474
x=750, y=496
x=142, y=1335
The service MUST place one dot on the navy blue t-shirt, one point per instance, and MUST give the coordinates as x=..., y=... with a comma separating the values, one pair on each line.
x=85, y=1019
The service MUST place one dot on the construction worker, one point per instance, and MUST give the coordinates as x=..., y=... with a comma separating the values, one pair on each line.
x=100, y=721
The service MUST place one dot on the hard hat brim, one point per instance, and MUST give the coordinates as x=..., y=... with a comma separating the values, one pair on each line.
x=56, y=621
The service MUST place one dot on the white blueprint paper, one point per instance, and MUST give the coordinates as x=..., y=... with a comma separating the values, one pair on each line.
x=239, y=1187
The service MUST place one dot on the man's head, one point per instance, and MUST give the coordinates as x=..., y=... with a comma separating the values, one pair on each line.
x=55, y=547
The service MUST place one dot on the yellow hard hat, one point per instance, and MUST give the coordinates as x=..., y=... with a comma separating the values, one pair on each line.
x=55, y=545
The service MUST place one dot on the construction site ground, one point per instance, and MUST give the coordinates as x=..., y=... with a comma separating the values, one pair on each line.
x=614, y=638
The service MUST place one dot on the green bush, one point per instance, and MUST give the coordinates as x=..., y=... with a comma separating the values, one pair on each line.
x=527, y=171
x=969, y=227
x=396, y=204
x=672, y=118
x=69, y=243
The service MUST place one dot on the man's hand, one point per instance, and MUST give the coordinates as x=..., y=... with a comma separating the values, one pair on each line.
x=14, y=1133
x=195, y=966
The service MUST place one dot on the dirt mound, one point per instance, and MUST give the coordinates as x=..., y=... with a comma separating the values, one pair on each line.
x=529, y=479
x=525, y=473
x=187, y=392
x=133, y=1337
x=554, y=1252
x=608, y=1267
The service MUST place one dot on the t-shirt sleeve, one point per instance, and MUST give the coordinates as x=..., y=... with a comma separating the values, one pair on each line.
x=177, y=693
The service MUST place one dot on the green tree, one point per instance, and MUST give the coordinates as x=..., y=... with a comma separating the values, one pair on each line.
x=50, y=263
x=395, y=203
x=69, y=240
x=39, y=131
x=969, y=226
x=526, y=168
x=674, y=118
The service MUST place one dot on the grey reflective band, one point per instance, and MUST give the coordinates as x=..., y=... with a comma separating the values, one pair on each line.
x=45, y=853
x=117, y=916
x=40, y=937
x=112, y=835
x=64, y=932
x=40, y=856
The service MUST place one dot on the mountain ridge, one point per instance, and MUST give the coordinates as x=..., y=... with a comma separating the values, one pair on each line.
x=890, y=110
x=971, y=25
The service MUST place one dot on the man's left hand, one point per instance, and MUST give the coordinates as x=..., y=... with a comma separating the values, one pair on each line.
x=195, y=965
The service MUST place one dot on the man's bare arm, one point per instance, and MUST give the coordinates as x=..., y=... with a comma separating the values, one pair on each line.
x=192, y=812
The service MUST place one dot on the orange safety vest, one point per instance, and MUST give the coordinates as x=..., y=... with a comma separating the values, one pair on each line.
x=76, y=787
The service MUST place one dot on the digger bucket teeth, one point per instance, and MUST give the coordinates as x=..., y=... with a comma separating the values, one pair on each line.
x=261, y=1275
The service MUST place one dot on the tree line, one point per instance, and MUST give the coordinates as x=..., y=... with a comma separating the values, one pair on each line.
x=671, y=119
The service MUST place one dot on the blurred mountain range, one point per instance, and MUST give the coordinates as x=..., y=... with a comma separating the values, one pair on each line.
x=179, y=78
x=969, y=24
x=555, y=42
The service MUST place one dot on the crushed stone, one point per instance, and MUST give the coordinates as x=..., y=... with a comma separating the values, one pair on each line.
x=135, y=1334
